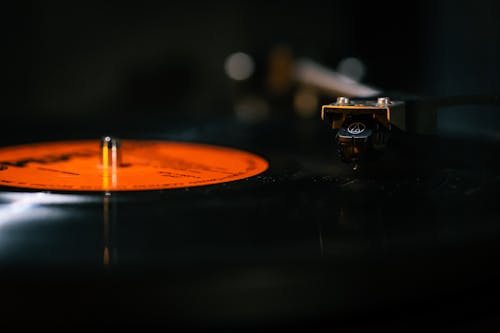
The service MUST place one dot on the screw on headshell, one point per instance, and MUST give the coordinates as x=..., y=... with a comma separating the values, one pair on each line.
x=343, y=100
x=383, y=101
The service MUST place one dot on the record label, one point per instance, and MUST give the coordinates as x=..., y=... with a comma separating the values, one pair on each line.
x=142, y=165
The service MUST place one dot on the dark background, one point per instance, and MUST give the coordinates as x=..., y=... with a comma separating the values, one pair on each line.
x=145, y=61
x=84, y=58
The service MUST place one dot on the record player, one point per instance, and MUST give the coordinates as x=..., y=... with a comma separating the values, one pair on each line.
x=175, y=166
x=234, y=226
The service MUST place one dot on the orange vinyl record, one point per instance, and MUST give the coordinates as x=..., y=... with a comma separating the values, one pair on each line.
x=143, y=165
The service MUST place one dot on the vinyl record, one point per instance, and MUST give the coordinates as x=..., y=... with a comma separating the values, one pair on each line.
x=142, y=165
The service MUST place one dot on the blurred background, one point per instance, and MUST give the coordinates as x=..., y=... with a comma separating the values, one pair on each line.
x=202, y=59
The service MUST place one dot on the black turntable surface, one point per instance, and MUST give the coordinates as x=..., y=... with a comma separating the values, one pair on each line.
x=409, y=239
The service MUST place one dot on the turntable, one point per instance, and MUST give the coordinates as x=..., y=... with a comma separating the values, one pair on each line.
x=231, y=226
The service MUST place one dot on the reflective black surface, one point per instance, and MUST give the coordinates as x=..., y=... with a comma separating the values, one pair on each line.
x=409, y=241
